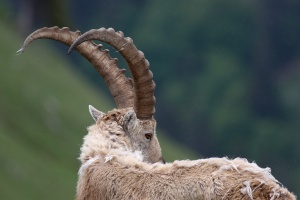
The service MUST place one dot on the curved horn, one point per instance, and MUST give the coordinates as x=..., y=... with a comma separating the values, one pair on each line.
x=119, y=85
x=139, y=67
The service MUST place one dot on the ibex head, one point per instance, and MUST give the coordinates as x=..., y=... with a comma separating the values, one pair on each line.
x=136, y=97
x=120, y=132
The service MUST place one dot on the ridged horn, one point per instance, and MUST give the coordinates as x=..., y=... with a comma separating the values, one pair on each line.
x=143, y=83
x=119, y=85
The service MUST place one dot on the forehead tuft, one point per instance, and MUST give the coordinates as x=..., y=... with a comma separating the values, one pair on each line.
x=148, y=123
x=115, y=115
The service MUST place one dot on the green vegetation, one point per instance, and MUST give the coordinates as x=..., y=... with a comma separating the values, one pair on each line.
x=43, y=116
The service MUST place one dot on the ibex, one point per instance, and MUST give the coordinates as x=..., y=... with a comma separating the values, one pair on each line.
x=121, y=157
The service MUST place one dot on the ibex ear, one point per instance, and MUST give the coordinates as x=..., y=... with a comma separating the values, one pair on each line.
x=129, y=120
x=95, y=113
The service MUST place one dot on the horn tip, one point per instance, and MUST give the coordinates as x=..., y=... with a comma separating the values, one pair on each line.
x=20, y=51
x=70, y=49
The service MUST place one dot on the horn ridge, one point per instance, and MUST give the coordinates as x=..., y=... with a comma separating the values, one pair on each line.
x=106, y=66
x=144, y=99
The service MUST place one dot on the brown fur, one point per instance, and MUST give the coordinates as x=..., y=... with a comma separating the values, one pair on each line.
x=114, y=167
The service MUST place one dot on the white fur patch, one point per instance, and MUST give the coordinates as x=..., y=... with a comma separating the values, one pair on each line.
x=135, y=154
x=274, y=194
x=87, y=164
x=138, y=155
x=247, y=189
x=108, y=158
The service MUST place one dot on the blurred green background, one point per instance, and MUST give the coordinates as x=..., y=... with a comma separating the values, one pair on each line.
x=227, y=76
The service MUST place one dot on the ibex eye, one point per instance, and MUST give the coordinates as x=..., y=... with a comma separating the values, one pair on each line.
x=148, y=136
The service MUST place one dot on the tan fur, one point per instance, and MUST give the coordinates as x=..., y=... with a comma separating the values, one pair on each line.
x=113, y=167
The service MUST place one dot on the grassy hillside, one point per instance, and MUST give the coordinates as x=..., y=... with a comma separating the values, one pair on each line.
x=43, y=116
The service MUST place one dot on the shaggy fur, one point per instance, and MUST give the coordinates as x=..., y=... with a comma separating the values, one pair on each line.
x=113, y=167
